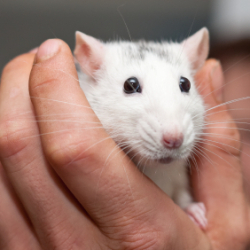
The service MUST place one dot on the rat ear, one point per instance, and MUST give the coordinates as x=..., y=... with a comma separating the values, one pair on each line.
x=89, y=53
x=197, y=48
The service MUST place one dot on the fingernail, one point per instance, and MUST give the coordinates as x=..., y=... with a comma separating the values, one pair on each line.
x=48, y=49
x=33, y=51
x=217, y=82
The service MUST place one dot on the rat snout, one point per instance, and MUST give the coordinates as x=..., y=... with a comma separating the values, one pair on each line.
x=172, y=141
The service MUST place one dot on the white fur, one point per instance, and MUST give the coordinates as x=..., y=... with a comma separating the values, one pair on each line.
x=137, y=121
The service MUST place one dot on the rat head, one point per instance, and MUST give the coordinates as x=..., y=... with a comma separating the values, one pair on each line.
x=144, y=93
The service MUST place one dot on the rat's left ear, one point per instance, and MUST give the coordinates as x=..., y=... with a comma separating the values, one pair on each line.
x=89, y=53
x=196, y=48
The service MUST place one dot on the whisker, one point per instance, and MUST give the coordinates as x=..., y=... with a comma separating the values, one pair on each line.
x=203, y=154
x=224, y=122
x=68, y=103
x=241, y=129
x=223, y=144
x=215, y=155
x=60, y=70
x=230, y=82
x=225, y=103
x=59, y=131
x=123, y=19
x=226, y=137
x=192, y=159
x=189, y=32
x=236, y=63
x=226, y=110
x=67, y=121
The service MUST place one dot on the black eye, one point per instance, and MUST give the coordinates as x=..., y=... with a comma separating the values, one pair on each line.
x=185, y=84
x=132, y=85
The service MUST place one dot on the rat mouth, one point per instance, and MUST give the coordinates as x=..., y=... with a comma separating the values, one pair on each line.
x=166, y=160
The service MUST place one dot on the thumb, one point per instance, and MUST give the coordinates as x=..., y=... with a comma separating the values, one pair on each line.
x=217, y=179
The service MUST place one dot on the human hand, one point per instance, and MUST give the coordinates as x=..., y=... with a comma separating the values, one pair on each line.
x=50, y=150
x=218, y=180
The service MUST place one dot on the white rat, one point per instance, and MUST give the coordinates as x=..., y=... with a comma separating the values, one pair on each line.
x=145, y=96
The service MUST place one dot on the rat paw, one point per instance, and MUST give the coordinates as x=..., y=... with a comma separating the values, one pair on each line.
x=197, y=213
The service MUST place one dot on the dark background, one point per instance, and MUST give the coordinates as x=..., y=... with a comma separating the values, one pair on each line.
x=25, y=24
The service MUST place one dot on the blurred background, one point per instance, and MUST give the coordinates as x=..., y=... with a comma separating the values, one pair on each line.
x=25, y=24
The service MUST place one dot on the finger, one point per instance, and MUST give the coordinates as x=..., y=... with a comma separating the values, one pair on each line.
x=219, y=122
x=34, y=51
x=55, y=216
x=218, y=180
x=15, y=227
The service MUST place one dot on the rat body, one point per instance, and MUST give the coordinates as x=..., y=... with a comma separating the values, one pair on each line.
x=145, y=97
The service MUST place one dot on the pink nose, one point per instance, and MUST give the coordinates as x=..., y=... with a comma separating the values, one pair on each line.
x=171, y=141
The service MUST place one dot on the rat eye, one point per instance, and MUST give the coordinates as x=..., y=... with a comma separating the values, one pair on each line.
x=184, y=84
x=132, y=85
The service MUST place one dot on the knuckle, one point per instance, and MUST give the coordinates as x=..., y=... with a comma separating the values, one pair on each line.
x=12, y=137
x=35, y=86
x=152, y=240
x=137, y=234
x=57, y=236
x=69, y=149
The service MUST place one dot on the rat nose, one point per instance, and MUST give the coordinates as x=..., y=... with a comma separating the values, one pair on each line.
x=172, y=141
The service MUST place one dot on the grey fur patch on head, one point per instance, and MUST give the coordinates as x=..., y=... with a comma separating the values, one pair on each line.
x=155, y=48
x=139, y=50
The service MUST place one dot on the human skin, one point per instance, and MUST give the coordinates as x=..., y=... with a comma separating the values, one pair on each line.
x=237, y=79
x=58, y=191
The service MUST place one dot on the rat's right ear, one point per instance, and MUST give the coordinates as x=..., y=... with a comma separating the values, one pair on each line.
x=89, y=53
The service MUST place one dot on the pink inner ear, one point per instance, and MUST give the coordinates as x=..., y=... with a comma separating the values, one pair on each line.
x=93, y=60
x=89, y=52
x=196, y=48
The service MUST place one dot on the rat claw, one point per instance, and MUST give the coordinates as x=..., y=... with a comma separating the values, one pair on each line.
x=196, y=211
